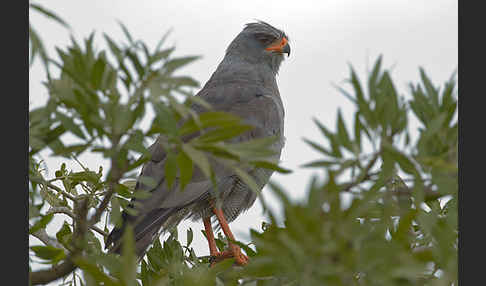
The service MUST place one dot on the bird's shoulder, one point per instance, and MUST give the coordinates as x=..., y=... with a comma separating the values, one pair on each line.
x=246, y=99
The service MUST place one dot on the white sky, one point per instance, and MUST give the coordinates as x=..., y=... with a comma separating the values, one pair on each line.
x=325, y=37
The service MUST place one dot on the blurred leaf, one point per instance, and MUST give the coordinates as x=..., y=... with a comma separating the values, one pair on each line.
x=115, y=214
x=45, y=219
x=69, y=124
x=221, y=134
x=199, y=158
x=209, y=119
x=96, y=273
x=129, y=259
x=189, y=236
x=97, y=74
x=37, y=47
x=342, y=133
x=405, y=163
x=318, y=147
x=176, y=63
x=49, y=252
x=271, y=166
x=126, y=33
x=64, y=234
x=136, y=63
x=49, y=14
x=185, y=169
x=161, y=55
x=170, y=169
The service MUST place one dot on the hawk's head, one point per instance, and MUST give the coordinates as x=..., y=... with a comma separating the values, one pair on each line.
x=259, y=42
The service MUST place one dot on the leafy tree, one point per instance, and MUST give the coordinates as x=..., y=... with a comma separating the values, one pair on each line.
x=397, y=227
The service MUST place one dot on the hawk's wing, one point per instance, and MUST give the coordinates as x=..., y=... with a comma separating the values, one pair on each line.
x=253, y=104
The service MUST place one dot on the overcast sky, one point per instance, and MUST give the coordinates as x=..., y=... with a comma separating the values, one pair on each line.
x=325, y=37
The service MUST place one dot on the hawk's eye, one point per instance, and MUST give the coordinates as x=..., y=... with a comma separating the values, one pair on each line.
x=265, y=39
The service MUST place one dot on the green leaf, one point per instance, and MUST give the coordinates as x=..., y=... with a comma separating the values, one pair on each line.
x=199, y=101
x=271, y=166
x=336, y=152
x=49, y=14
x=49, y=252
x=225, y=133
x=176, y=63
x=375, y=73
x=97, y=73
x=342, y=133
x=89, y=267
x=150, y=182
x=405, y=163
x=165, y=119
x=363, y=104
x=199, y=158
x=37, y=47
x=209, y=119
x=170, y=169
x=117, y=52
x=129, y=258
x=126, y=33
x=136, y=63
x=432, y=92
x=189, y=236
x=160, y=55
x=41, y=223
x=358, y=127
x=320, y=163
x=115, y=214
x=135, y=143
x=185, y=169
x=64, y=234
x=318, y=147
x=184, y=81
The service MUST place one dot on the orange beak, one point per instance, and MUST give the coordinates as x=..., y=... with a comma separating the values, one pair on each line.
x=280, y=46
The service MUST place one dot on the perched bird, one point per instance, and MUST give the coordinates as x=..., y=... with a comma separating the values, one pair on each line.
x=243, y=84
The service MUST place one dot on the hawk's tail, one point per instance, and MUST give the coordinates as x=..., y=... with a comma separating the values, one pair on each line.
x=145, y=230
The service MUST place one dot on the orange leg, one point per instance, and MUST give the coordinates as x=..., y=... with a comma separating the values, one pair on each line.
x=235, y=250
x=213, y=250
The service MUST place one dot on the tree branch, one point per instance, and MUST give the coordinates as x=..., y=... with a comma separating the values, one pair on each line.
x=80, y=228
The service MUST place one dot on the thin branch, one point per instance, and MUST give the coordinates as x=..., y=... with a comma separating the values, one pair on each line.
x=42, y=277
x=59, y=190
x=365, y=175
x=42, y=235
x=67, y=211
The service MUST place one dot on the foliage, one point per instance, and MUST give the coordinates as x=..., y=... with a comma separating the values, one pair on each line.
x=384, y=213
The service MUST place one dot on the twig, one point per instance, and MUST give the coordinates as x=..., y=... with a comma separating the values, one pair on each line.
x=59, y=190
x=67, y=211
x=365, y=175
x=42, y=235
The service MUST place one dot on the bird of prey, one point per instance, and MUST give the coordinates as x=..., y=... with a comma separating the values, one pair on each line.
x=244, y=84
